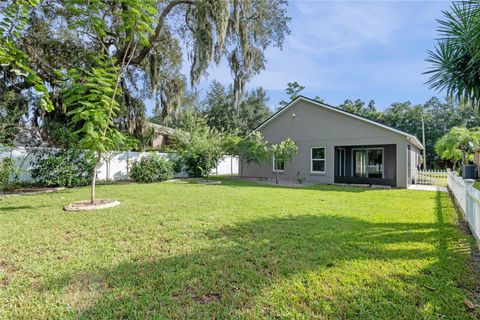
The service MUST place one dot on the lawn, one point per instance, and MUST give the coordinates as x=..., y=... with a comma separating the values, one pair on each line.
x=183, y=250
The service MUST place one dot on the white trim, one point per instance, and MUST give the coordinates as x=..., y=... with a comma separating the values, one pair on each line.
x=371, y=148
x=324, y=160
x=273, y=165
x=410, y=138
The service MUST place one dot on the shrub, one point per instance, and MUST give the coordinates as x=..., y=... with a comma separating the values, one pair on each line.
x=200, y=148
x=152, y=168
x=63, y=168
x=6, y=172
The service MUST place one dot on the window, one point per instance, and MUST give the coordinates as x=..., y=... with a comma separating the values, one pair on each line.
x=278, y=165
x=318, y=160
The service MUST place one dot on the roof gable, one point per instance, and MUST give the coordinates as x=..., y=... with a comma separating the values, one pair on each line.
x=413, y=139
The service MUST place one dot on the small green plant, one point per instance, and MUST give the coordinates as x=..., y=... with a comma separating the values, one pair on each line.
x=152, y=168
x=300, y=179
x=63, y=168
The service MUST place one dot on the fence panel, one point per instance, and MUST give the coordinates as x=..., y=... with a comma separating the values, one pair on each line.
x=431, y=177
x=468, y=198
x=114, y=166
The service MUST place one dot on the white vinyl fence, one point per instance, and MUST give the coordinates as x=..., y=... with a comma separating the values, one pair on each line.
x=431, y=177
x=468, y=198
x=115, y=165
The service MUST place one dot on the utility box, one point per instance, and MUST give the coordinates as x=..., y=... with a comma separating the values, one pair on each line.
x=469, y=171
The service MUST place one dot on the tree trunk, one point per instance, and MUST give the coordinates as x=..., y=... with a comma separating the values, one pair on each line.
x=94, y=179
x=276, y=176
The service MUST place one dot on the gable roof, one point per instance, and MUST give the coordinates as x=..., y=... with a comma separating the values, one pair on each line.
x=410, y=137
x=159, y=128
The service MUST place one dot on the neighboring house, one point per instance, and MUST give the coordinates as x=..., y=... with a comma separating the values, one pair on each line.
x=162, y=135
x=335, y=146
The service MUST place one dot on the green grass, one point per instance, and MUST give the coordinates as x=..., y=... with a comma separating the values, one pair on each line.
x=237, y=250
x=476, y=184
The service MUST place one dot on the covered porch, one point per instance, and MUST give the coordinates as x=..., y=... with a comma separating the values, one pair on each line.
x=366, y=164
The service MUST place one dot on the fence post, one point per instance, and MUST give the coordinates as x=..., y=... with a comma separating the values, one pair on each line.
x=468, y=201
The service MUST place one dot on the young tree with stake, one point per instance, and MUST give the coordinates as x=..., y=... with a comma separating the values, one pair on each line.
x=282, y=154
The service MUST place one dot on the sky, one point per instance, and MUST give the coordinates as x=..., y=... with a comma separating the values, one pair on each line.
x=350, y=49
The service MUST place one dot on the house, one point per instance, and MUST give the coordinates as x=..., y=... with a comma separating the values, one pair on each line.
x=161, y=135
x=335, y=146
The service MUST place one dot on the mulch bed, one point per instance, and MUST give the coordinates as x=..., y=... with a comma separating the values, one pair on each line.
x=86, y=205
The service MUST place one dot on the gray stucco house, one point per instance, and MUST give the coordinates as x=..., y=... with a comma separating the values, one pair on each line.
x=335, y=146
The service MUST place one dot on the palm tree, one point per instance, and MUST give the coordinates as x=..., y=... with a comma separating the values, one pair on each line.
x=457, y=144
x=456, y=57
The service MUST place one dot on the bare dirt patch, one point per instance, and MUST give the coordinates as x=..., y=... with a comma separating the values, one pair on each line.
x=86, y=205
x=83, y=291
x=207, y=298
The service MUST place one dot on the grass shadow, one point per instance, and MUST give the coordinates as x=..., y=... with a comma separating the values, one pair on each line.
x=8, y=209
x=236, y=182
x=331, y=267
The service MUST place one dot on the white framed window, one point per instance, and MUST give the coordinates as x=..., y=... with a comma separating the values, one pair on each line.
x=278, y=164
x=317, y=160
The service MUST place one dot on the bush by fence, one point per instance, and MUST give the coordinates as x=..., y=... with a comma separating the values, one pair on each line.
x=115, y=165
x=62, y=168
x=151, y=168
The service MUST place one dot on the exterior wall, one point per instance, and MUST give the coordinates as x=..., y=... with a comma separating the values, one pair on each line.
x=310, y=126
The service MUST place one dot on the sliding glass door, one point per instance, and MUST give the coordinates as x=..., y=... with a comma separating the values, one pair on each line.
x=367, y=163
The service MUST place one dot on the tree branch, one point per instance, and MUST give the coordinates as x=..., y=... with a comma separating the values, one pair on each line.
x=154, y=37
x=20, y=86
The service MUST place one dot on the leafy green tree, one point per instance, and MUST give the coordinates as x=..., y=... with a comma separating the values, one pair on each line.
x=358, y=107
x=12, y=107
x=457, y=144
x=283, y=153
x=293, y=91
x=455, y=61
x=13, y=60
x=90, y=97
x=221, y=113
x=65, y=34
x=250, y=149
x=199, y=147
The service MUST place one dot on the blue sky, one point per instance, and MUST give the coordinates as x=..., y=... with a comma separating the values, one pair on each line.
x=351, y=49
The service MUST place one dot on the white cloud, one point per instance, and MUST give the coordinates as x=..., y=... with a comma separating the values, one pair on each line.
x=321, y=31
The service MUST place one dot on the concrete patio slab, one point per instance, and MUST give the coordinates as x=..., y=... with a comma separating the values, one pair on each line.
x=427, y=188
